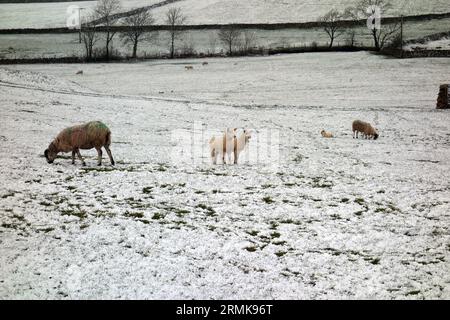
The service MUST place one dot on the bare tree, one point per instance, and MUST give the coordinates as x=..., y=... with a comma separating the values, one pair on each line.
x=331, y=25
x=248, y=40
x=105, y=10
x=89, y=37
x=351, y=37
x=364, y=9
x=135, y=31
x=230, y=37
x=174, y=19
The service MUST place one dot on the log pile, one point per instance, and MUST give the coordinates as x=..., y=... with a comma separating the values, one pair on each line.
x=443, y=101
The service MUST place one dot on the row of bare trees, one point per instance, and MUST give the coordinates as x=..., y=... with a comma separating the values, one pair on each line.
x=231, y=37
x=382, y=35
x=136, y=31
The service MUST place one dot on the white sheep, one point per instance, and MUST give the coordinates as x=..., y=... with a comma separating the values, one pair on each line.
x=222, y=145
x=241, y=141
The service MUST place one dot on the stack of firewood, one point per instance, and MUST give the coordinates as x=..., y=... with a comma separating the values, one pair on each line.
x=443, y=101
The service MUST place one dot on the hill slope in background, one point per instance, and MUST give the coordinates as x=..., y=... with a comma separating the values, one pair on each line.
x=48, y=15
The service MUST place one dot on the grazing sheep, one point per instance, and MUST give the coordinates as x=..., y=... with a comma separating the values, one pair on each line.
x=93, y=134
x=189, y=67
x=222, y=145
x=240, y=142
x=326, y=134
x=365, y=128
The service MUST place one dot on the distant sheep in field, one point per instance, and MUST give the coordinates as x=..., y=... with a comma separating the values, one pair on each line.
x=205, y=63
x=222, y=145
x=240, y=142
x=189, y=67
x=93, y=134
x=326, y=134
x=365, y=128
x=80, y=72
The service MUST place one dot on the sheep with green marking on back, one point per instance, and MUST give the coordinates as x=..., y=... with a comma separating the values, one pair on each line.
x=94, y=134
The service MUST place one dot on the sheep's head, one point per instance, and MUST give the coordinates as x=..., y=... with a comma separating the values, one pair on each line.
x=230, y=133
x=375, y=135
x=50, y=153
x=248, y=135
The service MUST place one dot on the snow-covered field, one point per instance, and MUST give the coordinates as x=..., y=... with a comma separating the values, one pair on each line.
x=442, y=44
x=51, y=15
x=337, y=218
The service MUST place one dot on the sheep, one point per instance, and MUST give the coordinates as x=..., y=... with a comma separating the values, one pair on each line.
x=205, y=63
x=93, y=134
x=189, y=67
x=222, y=145
x=80, y=72
x=326, y=134
x=240, y=142
x=365, y=128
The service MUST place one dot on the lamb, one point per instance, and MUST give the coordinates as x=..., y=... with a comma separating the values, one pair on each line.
x=93, y=134
x=241, y=141
x=365, y=128
x=222, y=145
x=326, y=134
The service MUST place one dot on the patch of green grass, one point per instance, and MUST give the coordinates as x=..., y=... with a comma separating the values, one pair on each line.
x=275, y=235
x=9, y=225
x=157, y=216
x=280, y=253
x=161, y=168
x=147, y=190
x=273, y=225
x=298, y=158
x=77, y=213
x=209, y=210
x=251, y=248
x=268, y=200
x=413, y=292
x=7, y=195
x=136, y=215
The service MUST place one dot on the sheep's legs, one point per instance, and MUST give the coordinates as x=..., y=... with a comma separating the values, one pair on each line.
x=236, y=158
x=73, y=156
x=213, y=156
x=99, y=158
x=80, y=157
x=108, y=151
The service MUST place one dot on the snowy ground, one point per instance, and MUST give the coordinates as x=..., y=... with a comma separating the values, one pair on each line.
x=338, y=218
x=442, y=44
